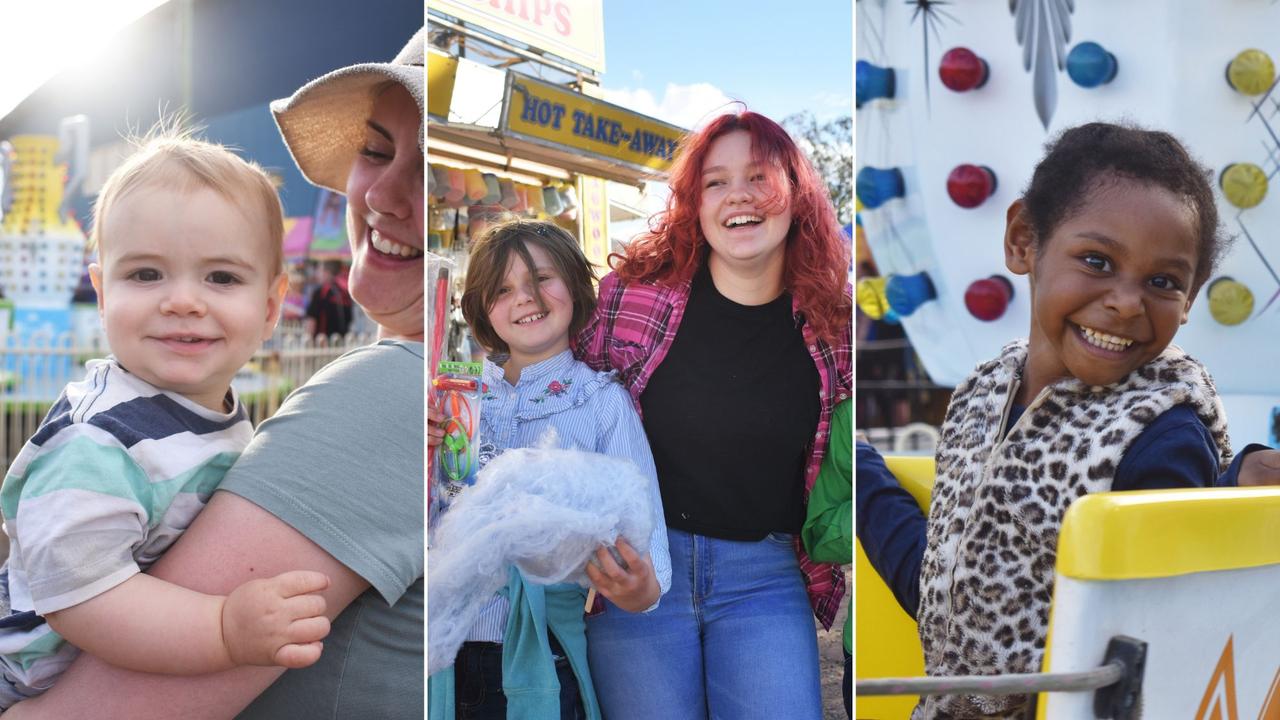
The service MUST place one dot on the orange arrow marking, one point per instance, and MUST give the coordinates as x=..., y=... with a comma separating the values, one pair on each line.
x=1219, y=701
x=1271, y=706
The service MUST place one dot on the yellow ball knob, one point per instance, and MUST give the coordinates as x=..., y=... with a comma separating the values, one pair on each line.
x=1251, y=72
x=871, y=298
x=1230, y=302
x=1244, y=184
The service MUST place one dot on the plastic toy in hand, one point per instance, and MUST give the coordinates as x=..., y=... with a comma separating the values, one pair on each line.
x=458, y=388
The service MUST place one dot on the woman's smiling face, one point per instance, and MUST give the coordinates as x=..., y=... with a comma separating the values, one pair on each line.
x=385, y=217
x=1112, y=283
x=744, y=229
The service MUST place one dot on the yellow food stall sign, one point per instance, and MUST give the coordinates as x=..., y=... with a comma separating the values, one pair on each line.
x=593, y=219
x=442, y=72
x=551, y=115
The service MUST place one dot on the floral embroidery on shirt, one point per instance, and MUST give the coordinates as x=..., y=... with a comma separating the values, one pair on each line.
x=555, y=388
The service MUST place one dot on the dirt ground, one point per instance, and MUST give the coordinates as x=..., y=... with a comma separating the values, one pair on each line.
x=831, y=664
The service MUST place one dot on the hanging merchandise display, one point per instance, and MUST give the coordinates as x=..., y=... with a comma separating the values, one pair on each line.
x=507, y=193
x=457, y=188
x=476, y=189
x=492, y=192
x=440, y=178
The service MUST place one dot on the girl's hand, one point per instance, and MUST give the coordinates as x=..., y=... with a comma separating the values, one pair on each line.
x=633, y=588
x=435, y=426
x=1260, y=467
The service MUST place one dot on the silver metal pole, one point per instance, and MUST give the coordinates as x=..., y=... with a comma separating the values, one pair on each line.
x=1024, y=683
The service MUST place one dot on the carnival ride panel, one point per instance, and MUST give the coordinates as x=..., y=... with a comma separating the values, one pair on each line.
x=1150, y=62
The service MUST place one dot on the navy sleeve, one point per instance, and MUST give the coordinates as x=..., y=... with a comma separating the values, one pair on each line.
x=1175, y=451
x=890, y=526
x=1231, y=478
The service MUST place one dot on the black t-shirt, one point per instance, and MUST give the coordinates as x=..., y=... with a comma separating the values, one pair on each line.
x=731, y=413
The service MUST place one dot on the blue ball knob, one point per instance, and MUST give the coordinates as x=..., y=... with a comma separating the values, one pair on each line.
x=1089, y=65
x=874, y=82
x=906, y=293
x=876, y=186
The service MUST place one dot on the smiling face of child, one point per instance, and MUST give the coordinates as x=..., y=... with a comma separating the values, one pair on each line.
x=1109, y=286
x=188, y=288
x=532, y=311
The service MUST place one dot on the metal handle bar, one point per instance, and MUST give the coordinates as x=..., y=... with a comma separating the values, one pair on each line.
x=1117, y=682
x=1018, y=684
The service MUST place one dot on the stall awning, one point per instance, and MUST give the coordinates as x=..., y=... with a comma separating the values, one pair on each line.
x=520, y=118
x=494, y=142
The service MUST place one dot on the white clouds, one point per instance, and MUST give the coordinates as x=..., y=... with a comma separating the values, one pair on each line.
x=832, y=101
x=688, y=106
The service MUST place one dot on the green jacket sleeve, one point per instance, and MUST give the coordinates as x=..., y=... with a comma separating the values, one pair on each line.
x=828, y=525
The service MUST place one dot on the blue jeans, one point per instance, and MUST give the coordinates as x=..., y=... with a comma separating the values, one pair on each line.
x=734, y=639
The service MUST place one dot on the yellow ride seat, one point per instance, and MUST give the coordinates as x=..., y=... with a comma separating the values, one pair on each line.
x=886, y=639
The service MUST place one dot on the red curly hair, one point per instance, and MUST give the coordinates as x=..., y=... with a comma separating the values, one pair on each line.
x=817, y=255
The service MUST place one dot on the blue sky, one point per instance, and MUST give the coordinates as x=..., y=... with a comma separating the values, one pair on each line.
x=680, y=59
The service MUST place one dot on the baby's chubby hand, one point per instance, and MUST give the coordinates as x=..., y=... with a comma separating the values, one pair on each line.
x=632, y=586
x=276, y=621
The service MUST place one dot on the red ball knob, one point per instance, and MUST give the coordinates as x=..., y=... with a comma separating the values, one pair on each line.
x=970, y=185
x=962, y=70
x=987, y=299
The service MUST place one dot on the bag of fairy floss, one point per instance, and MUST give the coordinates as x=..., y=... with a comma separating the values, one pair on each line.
x=544, y=510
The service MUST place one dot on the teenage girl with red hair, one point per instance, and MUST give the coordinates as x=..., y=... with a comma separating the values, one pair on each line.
x=729, y=323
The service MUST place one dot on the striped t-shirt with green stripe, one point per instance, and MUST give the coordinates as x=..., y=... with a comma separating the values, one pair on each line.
x=116, y=472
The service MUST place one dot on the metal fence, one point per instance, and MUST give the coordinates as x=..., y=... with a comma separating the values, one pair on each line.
x=34, y=371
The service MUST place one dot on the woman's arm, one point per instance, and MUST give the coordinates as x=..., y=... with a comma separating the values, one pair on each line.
x=232, y=541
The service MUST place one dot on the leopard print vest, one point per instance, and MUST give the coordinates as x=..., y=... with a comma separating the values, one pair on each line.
x=987, y=576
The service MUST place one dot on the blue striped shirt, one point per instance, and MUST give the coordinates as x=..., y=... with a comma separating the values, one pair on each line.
x=590, y=411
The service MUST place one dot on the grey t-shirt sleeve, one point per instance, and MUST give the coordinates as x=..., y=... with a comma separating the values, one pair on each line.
x=342, y=463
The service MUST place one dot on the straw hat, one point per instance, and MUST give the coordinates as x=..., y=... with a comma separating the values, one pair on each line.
x=323, y=123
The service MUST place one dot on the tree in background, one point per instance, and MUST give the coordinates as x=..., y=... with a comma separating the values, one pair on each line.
x=829, y=146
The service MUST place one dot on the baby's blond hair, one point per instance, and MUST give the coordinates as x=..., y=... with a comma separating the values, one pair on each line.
x=170, y=156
